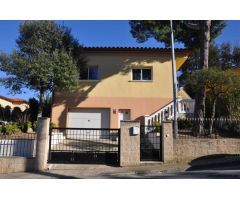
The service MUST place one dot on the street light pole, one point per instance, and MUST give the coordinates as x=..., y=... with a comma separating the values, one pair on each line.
x=175, y=87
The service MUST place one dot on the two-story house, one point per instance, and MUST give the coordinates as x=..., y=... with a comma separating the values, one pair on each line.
x=119, y=83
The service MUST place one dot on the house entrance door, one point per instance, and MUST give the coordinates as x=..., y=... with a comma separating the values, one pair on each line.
x=123, y=115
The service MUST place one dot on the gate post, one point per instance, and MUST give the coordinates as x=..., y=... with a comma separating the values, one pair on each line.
x=42, y=143
x=129, y=143
x=167, y=141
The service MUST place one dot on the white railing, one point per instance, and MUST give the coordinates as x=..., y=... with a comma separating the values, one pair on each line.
x=185, y=107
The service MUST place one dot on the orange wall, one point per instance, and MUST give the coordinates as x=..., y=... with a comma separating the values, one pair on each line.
x=138, y=106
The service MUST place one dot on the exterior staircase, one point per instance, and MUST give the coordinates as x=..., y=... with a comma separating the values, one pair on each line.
x=185, y=108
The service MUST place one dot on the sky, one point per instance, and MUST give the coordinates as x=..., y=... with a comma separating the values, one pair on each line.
x=97, y=33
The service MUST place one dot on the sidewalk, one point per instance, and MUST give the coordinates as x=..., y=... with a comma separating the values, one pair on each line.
x=73, y=171
x=198, y=166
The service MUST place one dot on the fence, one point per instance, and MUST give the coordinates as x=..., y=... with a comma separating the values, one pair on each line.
x=84, y=145
x=19, y=144
x=150, y=143
x=211, y=128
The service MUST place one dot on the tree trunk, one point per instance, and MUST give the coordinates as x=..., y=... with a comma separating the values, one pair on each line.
x=212, y=117
x=41, y=102
x=205, y=26
x=199, y=113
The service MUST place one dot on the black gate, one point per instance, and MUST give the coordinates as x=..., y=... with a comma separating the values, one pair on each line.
x=84, y=145
x=151, y=143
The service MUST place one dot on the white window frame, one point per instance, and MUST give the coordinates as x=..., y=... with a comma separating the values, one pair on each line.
x=141, y=68
x=88, y=74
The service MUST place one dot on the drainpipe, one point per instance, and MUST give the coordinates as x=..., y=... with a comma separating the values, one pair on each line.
x=174, y=78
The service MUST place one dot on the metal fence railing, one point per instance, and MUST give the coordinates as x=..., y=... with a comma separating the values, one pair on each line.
x=208, y=128
x=150, y=143
x=84, y=145
x=18, y=144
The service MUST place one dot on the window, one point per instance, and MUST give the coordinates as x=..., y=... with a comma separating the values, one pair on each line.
x=89, y=73
x=142, y=74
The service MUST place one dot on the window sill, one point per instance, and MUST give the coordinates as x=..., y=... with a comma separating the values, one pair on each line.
x=144, y=81
x=88, y=80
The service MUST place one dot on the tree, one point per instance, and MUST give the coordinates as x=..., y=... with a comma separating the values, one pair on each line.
x=47, y=106
x=228, y=105
x=7, y=113
x=47, y=58
x=33, y=109
x=223, y=56
x=16, y=112
x=193, y=34
x=218, y=83
x=236, y=56
x=193, y=63
x=1, y=113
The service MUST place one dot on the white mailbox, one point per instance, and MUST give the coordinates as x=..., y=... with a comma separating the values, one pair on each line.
x=135, y=130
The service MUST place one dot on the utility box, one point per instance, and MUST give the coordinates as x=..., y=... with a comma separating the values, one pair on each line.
x=135, y=130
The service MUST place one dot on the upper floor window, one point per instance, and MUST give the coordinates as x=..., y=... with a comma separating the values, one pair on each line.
x=142, y=74
x=89, y=73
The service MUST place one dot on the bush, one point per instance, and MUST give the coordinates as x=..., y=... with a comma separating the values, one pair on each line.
x=1, y=129
x=52, y=125
x=157, y=126
x=184, y=124
x=10, y=128
x=25, y=126
x=34, y=125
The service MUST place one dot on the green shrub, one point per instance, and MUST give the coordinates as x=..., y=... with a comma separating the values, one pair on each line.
x=1, y=129
x=11, y=128
x=157, y=126
x=25, y=126
x=34, y=126
x=184, y=124
x=52, y=125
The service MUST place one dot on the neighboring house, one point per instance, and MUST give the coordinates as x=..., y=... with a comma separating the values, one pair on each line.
x=121, y=83
x=13, y=102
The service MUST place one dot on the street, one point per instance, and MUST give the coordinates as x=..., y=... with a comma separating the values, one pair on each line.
x=226, y=171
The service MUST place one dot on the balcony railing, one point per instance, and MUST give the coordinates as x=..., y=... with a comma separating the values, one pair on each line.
x=185, y=108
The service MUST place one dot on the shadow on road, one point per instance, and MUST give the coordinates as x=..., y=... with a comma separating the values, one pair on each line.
x=216, y=162
x=54, y=175
x=178, y=175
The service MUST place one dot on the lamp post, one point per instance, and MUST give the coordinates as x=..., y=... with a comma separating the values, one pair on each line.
x=174, y=78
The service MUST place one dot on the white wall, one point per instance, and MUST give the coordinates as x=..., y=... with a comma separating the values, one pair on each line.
x=23, y=147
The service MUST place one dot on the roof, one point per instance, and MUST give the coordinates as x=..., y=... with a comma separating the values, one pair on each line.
x=14, y=100
x=150, y=49
x=183, y=94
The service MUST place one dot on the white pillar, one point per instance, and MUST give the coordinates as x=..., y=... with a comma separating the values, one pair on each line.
x=42, y=143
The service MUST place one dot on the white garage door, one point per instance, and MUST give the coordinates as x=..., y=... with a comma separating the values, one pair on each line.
x=89, y=118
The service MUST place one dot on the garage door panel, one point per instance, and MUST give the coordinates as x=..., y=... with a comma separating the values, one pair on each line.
x=84, y=115
x=89, y=118
x=84, y=123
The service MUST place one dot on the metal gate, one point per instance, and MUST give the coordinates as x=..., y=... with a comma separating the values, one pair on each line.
x=150, y=143
x=84, y=145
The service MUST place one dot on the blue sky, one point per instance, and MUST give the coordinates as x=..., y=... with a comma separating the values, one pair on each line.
x=97, y=33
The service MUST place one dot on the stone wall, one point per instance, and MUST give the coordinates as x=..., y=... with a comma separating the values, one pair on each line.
x=16, y=164
x=167, y=141
x=129, y=144
x=189, y=149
